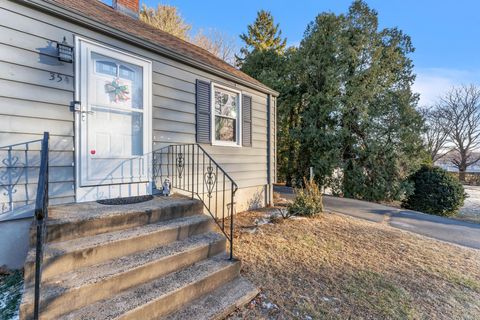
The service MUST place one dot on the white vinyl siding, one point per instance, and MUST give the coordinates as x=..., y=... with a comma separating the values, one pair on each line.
x=30, y=103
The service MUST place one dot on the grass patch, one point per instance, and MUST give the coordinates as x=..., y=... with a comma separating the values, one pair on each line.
x=463, y=281
x=373, y=291
x=11, y=286
x=338, y=267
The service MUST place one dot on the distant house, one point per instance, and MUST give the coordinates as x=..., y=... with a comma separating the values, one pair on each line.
x=127, y=108
x=446, y=162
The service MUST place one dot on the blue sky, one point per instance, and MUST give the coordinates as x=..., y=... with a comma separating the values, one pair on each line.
x=445, y=33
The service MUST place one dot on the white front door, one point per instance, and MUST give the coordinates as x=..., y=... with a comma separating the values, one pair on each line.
x=113, y=131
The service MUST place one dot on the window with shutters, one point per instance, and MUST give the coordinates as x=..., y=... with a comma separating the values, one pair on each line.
x=226, y=115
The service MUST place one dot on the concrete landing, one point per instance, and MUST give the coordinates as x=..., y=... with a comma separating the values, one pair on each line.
x=90, y=210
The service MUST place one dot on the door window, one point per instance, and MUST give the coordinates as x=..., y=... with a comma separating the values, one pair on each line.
x=116, y=124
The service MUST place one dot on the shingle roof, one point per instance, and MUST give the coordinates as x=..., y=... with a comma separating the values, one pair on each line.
x=104, y=14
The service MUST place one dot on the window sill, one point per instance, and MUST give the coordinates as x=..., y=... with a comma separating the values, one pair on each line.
x=226, y=144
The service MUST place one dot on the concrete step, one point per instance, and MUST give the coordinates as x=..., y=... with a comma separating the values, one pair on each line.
x=163, y=295
x=70, y=291
x=66, y=256
x=71, y=221
x=219, y=303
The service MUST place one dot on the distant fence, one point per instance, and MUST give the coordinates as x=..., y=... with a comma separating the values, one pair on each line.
x=471, y=178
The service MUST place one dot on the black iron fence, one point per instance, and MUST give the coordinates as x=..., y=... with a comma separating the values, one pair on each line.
x=41, y=215
x=189, y=168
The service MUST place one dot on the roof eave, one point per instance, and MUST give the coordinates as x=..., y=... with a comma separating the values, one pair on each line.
x=75, y=17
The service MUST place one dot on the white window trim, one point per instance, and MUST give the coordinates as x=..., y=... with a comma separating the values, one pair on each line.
x=238, y=142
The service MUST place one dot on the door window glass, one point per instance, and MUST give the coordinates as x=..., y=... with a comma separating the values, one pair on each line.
x=106, y=67
x=116, y=124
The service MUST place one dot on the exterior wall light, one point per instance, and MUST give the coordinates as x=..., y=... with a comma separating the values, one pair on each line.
x=65, y=51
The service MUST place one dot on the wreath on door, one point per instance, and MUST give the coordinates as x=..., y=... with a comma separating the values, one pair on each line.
x=117, y=90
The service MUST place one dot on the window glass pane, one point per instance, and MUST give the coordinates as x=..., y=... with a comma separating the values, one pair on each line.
x=115, y=133
x=106, y=67
x=137, y=134
x=116, y=83
x=226, y=103
x=127, y=73
x=225, y=129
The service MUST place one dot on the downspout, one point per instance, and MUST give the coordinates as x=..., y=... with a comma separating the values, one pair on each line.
x=269, y=189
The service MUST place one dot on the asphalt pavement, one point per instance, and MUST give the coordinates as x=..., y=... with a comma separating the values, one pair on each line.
x=450, y=230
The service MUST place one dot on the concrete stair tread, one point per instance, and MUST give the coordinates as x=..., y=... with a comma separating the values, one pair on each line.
x=72, y=221
x=77, y=212
x=219, y=303
x=130, y=301
x=63, y=247
x=64, y=282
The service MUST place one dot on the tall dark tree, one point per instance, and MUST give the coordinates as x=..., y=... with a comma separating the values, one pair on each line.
x=262, y=35
x=359, y=113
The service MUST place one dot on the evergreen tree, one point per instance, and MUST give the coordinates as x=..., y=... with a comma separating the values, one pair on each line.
x=346, y=106
x=358, y=111
x=266, y=59
x=262, y=35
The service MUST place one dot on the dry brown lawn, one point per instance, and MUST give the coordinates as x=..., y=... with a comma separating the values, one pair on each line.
x=337, y=267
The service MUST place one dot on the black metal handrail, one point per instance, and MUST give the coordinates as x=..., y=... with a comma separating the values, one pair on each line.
x=41, y=215
x=191, y=169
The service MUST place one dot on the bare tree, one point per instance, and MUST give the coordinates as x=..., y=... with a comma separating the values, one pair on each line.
x=460, y=111
x=218, y=43
x=436, y=134
x=166, y=18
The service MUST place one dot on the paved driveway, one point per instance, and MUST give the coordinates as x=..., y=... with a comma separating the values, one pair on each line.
x=449, y=230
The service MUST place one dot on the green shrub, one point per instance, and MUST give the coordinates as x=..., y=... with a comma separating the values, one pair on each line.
x=435, y=191
x=308, y=201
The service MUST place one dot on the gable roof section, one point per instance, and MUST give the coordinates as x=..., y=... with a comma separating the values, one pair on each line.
x=104, y=18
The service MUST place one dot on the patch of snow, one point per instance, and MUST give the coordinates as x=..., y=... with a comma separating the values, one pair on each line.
x=472, y=203
x=4, y=298
x=298, y=218
x=330, y=299
x=269, y=305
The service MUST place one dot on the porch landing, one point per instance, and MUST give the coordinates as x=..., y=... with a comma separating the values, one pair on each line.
x=151, y=260
x=90, y=210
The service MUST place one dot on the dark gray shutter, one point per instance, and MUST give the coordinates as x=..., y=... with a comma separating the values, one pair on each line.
x=246, y=121
x=203, y=123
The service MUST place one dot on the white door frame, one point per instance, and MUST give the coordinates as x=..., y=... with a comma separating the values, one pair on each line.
x=122, y=189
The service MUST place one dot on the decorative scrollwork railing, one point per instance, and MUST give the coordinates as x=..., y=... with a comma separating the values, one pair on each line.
x=17, y=165
x=191, y=169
